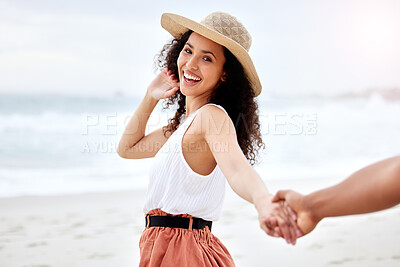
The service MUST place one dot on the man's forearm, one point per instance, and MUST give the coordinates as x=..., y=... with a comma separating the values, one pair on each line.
x=370, y=189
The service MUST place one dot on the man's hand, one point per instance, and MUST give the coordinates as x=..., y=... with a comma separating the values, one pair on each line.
x=306, y=219
x=278, y=220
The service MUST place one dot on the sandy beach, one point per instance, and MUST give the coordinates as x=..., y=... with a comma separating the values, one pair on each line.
x=103, y=229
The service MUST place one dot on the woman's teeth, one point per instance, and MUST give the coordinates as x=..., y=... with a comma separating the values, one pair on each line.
x=190, y=77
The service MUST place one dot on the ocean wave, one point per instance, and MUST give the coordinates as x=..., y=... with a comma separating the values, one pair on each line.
x=55, y=151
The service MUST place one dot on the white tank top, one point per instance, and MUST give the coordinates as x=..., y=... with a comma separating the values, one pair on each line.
x=176, y=189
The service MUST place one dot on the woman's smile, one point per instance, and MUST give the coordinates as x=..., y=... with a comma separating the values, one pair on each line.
x=190, y=79
x=200, y=66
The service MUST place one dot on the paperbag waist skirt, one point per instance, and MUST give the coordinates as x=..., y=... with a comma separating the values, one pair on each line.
x=165, y=246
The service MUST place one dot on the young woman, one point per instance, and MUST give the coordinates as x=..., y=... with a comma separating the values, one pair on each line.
x=214, y=136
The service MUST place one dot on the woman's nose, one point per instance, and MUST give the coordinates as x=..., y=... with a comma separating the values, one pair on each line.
x=192, y=63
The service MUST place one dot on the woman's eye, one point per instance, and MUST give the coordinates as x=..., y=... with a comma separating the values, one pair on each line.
x=207, y=59
x=188, y=51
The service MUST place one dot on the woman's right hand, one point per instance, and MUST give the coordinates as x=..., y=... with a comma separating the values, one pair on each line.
x=164, y=85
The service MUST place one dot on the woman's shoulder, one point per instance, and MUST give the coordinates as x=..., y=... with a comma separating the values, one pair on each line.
x=212, y=108
x=213, y=117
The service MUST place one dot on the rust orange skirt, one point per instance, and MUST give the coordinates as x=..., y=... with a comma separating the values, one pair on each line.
x=164, y=246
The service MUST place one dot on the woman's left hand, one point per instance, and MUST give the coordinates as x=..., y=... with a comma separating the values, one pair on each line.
x=278, y=219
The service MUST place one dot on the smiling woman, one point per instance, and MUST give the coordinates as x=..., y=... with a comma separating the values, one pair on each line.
x=230, y=94
x=201, y=70
x=214, y=136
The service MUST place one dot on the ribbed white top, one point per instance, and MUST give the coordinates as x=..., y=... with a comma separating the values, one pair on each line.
x=176, y=189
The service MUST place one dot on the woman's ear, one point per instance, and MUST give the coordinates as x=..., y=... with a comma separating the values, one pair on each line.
x=224, y=76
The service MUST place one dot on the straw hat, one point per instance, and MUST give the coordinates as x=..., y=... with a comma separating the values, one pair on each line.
x=223, y=29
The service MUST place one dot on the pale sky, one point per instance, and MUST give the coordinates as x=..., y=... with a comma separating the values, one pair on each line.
x=99, y=47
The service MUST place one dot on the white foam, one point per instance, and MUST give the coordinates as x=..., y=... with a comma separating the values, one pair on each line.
x=52, y=152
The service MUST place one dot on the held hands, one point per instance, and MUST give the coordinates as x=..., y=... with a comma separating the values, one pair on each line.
x=164, y=85
x=289, y=215
x=277, y=219
x=306, y=219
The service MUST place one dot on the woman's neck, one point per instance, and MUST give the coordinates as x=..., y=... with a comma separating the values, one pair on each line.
x=193, y=104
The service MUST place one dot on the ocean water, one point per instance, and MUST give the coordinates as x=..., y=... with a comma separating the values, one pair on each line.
x=57, y=144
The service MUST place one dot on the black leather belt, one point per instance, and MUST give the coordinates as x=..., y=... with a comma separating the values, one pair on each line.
x=176, y=222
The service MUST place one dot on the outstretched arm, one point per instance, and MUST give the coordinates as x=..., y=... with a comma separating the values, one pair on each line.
x=276, y=219
x=373, y=188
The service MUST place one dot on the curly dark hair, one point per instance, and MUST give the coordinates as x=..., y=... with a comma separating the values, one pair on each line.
x=235, y=95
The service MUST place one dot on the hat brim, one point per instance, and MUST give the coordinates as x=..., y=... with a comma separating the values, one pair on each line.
x=177, y=25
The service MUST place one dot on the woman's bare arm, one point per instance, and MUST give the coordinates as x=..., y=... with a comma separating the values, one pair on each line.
x=134, y=144
x=219, y=133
